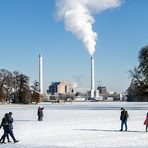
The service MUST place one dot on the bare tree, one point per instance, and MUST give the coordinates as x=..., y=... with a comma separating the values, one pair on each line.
x=138, y=89
x=16, y=86
x=35, y=92
x=6, y=85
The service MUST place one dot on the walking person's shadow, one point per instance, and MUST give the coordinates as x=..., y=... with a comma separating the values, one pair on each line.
x=108, y=130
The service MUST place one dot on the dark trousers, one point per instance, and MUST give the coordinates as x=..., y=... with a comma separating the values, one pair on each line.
x=124, y=122
x=3, y=137
x=40, y=118
x=10, y=132
x=146, y=127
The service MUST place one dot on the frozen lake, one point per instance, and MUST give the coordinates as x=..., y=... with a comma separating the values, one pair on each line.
x=78, y=125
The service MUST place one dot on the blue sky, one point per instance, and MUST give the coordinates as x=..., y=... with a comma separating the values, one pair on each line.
x=29, y=27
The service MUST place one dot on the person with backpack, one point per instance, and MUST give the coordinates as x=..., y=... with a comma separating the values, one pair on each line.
x=9, y=127
x=4, y=124
x=123, y=117
x=40, y=113
x=146, y=121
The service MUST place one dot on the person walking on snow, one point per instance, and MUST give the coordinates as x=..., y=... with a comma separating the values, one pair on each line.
x=40, y=113
x=4, y=124
x=9, y=127
x=123, y=117
x=146, y=121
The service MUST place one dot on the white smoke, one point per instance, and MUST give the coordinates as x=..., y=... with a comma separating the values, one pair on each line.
x=74, y=84
x=78, y=19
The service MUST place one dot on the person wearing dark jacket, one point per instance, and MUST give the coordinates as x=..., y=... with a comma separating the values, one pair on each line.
x=40, y=113
x=9, y=127
x=123, y=118
x=4, y=124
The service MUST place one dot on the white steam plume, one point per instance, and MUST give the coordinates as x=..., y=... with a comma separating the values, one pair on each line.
x=78, y=19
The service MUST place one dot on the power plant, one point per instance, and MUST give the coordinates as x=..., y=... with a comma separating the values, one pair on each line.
x=92, y=91
x=40, y=74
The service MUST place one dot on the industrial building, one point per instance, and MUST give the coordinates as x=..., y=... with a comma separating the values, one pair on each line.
x=108, y=96
x=60, y=88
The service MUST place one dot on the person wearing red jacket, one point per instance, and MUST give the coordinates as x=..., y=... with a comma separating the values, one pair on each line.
x=146, y=121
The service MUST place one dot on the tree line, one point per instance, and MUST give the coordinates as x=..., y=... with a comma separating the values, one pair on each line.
x=15, y=86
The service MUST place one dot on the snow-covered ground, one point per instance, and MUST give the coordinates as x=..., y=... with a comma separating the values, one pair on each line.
x=77, y=125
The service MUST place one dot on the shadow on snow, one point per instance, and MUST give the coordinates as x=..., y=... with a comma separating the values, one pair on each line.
x=101, y=130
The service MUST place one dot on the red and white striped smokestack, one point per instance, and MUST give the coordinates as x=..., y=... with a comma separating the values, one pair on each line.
x=92, y=78
x=41, y=73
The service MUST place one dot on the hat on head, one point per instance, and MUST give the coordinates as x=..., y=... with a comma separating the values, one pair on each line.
x=6, y=114
x=10, y=113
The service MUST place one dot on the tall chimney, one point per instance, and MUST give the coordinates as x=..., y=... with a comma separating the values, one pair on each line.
x=92, y=78
x=41, y=73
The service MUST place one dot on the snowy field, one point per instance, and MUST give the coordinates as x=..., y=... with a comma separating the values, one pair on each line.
x=77, y=125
